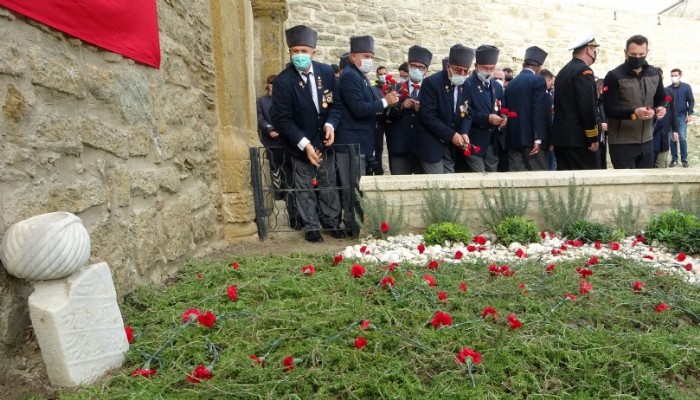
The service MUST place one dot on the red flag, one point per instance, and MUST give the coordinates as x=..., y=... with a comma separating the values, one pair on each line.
x=127, y=27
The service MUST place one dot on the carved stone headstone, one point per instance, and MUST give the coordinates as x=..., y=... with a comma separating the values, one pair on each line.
x=78, y=326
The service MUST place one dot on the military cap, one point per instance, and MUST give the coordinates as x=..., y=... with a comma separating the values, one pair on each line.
x=461, y=55
x=535, y=54
x=583, y=41
x=420, y=54
x=344, y=60
x=301, y=35
x=362, y=44
x=487, y=55
x=445, y=62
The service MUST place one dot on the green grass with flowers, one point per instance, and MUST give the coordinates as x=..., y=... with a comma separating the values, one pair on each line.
x=608, y=343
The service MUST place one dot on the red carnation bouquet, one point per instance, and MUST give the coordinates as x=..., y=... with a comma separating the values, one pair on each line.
x=392, y=85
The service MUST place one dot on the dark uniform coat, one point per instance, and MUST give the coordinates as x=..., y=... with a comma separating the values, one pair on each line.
x=482, y=102
x=575, y=117
x=525, y=95
x=294, y=113
x=360, y=107
x=401, y=126
x=438, y=121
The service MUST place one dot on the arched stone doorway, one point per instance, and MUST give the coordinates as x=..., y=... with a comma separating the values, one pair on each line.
x=248, y=38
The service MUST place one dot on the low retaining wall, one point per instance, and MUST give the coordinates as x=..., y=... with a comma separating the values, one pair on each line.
x=650, y=189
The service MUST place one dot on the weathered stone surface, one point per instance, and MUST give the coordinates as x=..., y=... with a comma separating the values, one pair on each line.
x=79, y=326
x=15, y=104
x=58, y=134
x=97, y=134
x=146, y=182
x=147, y=237
x=111, y=243
x=134, y=95
x=11, y=61
x=56, y=67
x=119, y=183
x=205, y=224
x=177, y=222
x=238, y=207
x=100, y=82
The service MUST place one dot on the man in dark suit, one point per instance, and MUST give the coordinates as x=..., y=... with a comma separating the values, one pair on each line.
x=444, y=114
x=526, y=131
x=361, y=104
x=402, y=120
x=485, y=97
x=575, y=130
x=305, y=114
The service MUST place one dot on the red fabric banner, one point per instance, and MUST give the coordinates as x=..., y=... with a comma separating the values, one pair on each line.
x=127, y=27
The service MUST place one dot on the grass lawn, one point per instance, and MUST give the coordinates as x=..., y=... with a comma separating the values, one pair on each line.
x=608, y=343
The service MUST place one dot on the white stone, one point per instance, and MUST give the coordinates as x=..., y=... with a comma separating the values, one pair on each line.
x=79, y=326
x=47, y=246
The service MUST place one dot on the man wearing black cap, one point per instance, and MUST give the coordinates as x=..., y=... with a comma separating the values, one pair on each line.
x=526, y=130
x=361, y=105
x=444, y=114
x=304, y=112
x=402, y=121
x=635, y=95
x=485, y=98
x=575, y=135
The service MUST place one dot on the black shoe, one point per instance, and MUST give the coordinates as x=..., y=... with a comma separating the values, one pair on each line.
x=313, y=237
x=296, y=224
x=673, y=163
x=685, y=164
x=337, y=233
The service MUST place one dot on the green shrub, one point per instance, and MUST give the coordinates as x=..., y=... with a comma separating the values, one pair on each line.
x=677, y=230
x=441, y=204
x=591, y=232
x=627, y=217
x=688, y=203
x=440, y=232
x=517, y=229
x=559, y=213
x=375, y=210
x=509, y=202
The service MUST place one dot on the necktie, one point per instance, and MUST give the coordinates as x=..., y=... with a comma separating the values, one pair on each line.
x=310, y=86
x=414, y=93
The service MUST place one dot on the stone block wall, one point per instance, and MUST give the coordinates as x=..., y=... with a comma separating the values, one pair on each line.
x=130, y=149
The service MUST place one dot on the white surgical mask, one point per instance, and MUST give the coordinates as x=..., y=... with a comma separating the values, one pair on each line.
x=675, y=79
x=381, y=78
x=499, y=80
x=416, y=74
x=366, y=65
x=458, y=80
x=403, y=79
x=484, y=76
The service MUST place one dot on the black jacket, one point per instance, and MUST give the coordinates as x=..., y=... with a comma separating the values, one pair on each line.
x=575, y=117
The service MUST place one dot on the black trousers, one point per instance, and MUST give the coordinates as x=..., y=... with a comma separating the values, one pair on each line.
x=573, y=158
x=632, y=156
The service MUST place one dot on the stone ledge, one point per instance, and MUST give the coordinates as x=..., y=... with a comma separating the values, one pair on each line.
x=651, y=190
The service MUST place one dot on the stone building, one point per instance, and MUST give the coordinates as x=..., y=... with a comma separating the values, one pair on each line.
x=155, y=162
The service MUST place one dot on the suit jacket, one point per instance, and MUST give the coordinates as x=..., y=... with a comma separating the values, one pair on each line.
x=360, y=108
x=401, y=126
x=294, y=113
x=263, y=105
x=482, y=101
x=439, y=118
x=575, y=118
x=526, y=96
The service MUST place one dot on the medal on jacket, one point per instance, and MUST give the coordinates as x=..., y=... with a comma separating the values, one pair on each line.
x=497, y=105
x=464, y=109
x=319, y=83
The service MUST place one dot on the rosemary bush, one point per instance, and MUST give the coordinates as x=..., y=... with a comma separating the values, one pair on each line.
x=627, y=217
x=508, y=203
x=442, y=205
x=688, y=203
x=559, y=213
x=377, y=214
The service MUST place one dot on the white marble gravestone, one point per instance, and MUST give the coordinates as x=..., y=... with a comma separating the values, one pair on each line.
x=78, y=326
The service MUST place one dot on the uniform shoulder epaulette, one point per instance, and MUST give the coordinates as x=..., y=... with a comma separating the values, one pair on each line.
x=588, y=72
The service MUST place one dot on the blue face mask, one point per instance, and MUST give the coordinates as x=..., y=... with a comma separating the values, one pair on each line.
x=301, y=61
x=416, y=74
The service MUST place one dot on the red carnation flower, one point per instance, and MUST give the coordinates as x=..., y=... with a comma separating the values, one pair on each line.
x=570, y=296
x=512, y=114
x=234, y=265
x=549, y=269
x=680, y=257
x=585, y=272
x=308, y=269
x=288, y=363
x=441, y=318
x=201, y=373
x=476, y=149
x=365, y=324
x=458, y=255
x=465, y=353
x=605, y=88
x=614, y=246
x=641, y=239
x=144, y=372
x=471, y=248
x=467, y=152
x=232, y=292
x=563, y=247
x=488, y=310
x=314, y=182
x=388, y=281
x=514, y=322
x=364, y=250
x=598, y=245
x=504, y=111
x=421, y=248
x=543, y=235
x=689, y=267
x=199, y=275
x=360, y=342
x=393, y=266
x=506, y=271
x=494, y=270
x=190, y=312
x=463, y=286
x=661, y=307
x=432, y=264
x=668, y=98
x=520, y=253
x=592, y=261
x=337, y=259
x=357, y=271
x=584, y=287
x=480, y=240
x=384, y=227
x=637, y=286
x=388, y=77
x=207, y=319
x=129, y=334
x=648, y=257
x=442, y=296
x=429, y=279
x=259, y=360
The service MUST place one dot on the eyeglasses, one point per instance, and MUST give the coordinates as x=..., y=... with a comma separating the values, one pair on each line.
x=418, y=67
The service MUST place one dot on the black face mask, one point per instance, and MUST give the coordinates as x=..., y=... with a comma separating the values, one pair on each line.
x=635, y=62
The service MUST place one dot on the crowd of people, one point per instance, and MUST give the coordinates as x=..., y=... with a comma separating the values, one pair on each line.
x=467, y=116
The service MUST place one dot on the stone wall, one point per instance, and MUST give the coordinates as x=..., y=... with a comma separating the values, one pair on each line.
x=130, y=149
x=650, y=190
